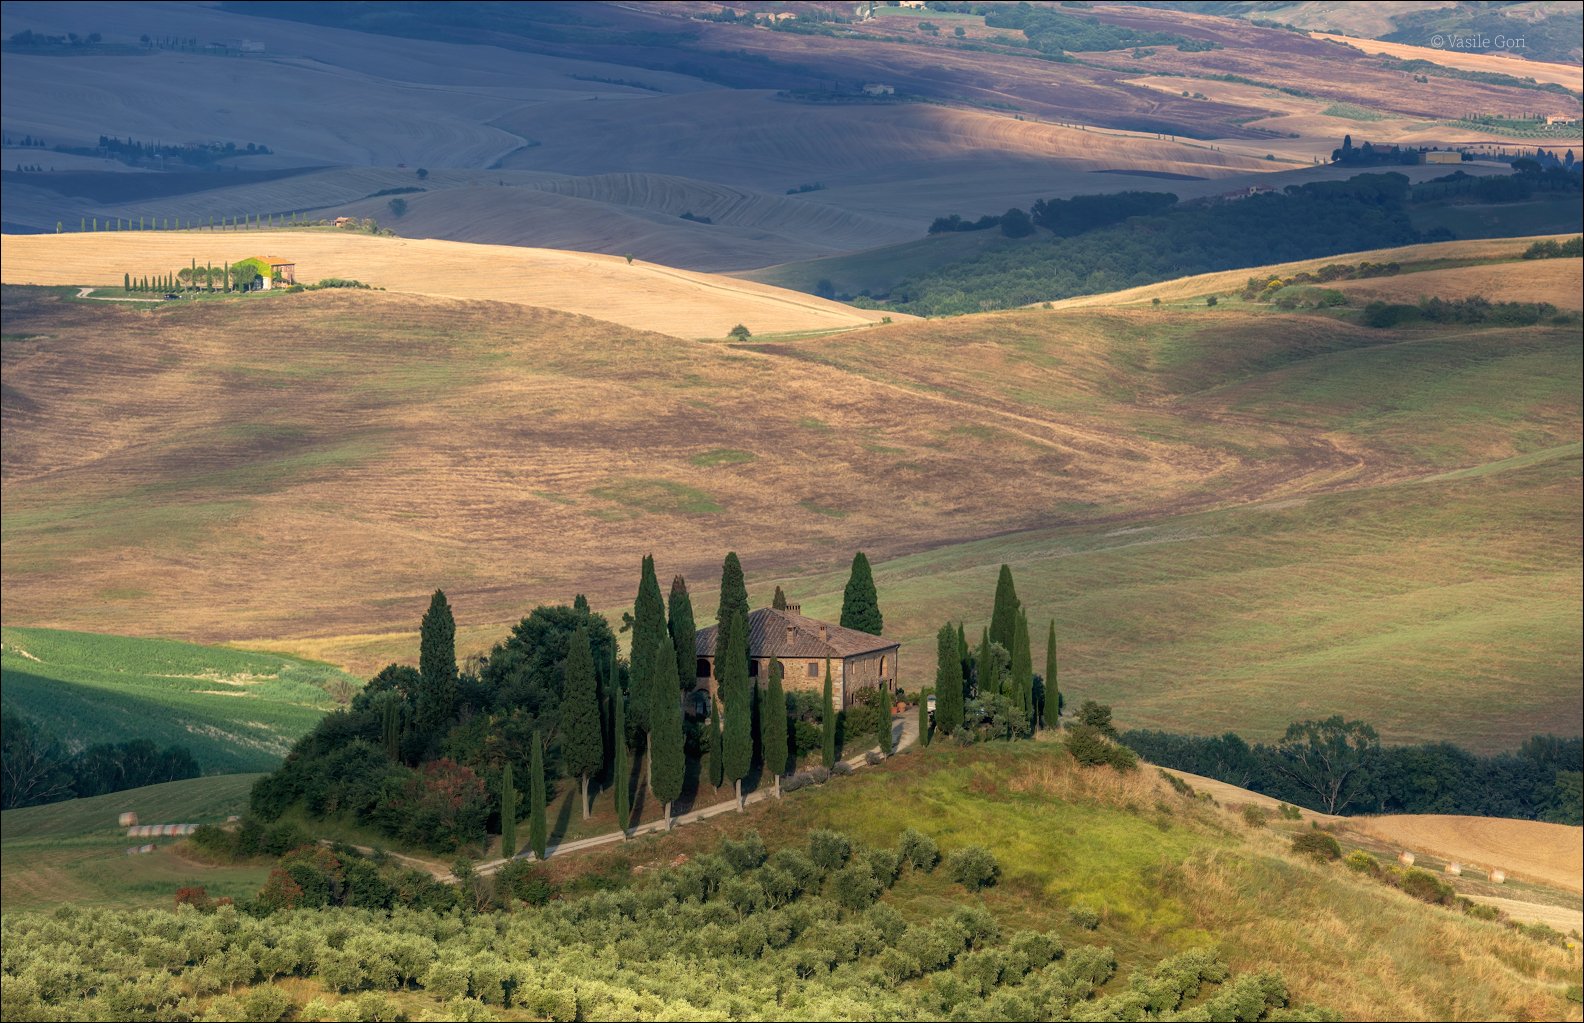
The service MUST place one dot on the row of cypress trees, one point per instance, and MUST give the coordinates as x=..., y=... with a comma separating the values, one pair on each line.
x=1007, y=637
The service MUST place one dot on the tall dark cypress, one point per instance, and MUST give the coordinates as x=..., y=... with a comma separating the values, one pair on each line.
x=948, y=681
x=684, y=632
x=733, y=597
x=1023, y=669
x=985, y=680
x=538, y=832
x=779, y=602
x=924, y=718
x=668, y=758
x=623, y=771
x=1050, y=696
x=582, y=738
x=437, y=667
x=773, y=725
x=860, y=602
x=649, y=627
x=1003, y=618
x=508, y=812
x=828, y=721
x=963, y=652
x=738, y=731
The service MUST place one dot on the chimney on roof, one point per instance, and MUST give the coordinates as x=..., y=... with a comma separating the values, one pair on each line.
x=824, y=633
x=796, y=609
x=789, y=636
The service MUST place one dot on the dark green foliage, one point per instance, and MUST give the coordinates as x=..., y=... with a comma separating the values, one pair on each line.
x=522, y=881
x=527, y=672
x=1551, y=249
x=1098, y=717
x=1091, y=748
x=1328, y=760
x=684, y=632
x=1421, y=884
x=623, y=770
x=1003, y=618
x=948, y=681
x=829, y=850
x=1538, y=782
x=668, y=759
x=1317, y=844
x=1016, y=224
x=717, y=756
x=985, y=673
x=883, y=720
x=36, y=767
x=437, y=667
x=538, y=831
x=1473, y=310
x=828, y=721
x=582, y=738
x=733, y=597
x=508, y=813
x=860, y=602
x=779, y=601
x=1057, y=33
x=773, y=723
x=734, y=689
x=1022, y=668
x=648, y=628
x=974, y=867
x=1050, y=693
x=748, y=854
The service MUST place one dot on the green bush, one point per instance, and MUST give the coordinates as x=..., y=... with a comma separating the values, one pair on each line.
x=1363, y=862
x=1289, y=812
x=1256, y=816
x=1425, y=886
x=1089, y=746
x=265, y=1004
x=974, y=867
x=919, y=849
x=1084, y=918
x=1317, y=844
x=829, y=850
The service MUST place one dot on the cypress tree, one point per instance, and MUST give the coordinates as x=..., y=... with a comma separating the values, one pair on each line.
x=738, y=738
x=773, y=725
x=923, y=713
x=437, y=667
x=1023, y=669
x=828, y=721
x=126, y=282
x=508, y=812
x=860, y=603
x=948, y=681
x=779, y=601
x=1003, y=619
x=717, y=763
x=623, y=770
x=390, y=726
x=582, y=744
x=733, y=597
x=884, y=726
x=649, y=628
x=684, y=632
x=984, y=667
x=1050, y=696
x=537, y=833
x=668, y=758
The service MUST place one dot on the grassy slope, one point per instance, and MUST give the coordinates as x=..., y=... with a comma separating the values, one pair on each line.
x=235, y=710
x=73, y=852
x=1165, y=873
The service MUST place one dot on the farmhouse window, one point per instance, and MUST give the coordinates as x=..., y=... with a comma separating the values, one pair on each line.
x=702, y=668
x=813, y=669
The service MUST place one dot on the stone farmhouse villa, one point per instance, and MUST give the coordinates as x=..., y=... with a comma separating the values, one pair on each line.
x=857, y=660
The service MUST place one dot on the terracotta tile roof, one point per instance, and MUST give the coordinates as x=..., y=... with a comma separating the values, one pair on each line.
x=277, y=261
x=773, y=633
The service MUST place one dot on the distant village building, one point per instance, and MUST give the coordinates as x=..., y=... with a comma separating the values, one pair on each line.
x=879, y=89
x=804, y=646
x=345, y=222
x=1561, y=119
x=1443, y=156
x=281, y=271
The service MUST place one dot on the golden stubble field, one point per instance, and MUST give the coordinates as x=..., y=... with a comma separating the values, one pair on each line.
x=639, y=295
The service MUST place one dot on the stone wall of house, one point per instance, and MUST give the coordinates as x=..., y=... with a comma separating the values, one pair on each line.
x=807, y=674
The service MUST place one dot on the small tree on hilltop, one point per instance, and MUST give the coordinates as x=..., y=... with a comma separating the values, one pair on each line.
x=739, y=333
x=860, y=602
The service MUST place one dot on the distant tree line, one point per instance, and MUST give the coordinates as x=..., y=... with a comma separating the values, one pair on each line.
x=1321, y=218
x=1063, y=217
x=1476, y=309
x=1058, y=33
x=1338, y=766
x=37, y=767
x=138, y=154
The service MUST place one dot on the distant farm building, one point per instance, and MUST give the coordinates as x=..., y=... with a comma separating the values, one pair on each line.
x=281, y=271
x=345, y=222
x=1443, y=156
x=805, y=647
x=879, y=89
x=1561, y=119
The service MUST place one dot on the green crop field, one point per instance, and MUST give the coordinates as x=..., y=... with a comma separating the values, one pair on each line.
x=74, y=853
x=235, y=710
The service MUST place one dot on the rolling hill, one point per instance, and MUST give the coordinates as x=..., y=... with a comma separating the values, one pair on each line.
x=234, y=710
x=1372, y=513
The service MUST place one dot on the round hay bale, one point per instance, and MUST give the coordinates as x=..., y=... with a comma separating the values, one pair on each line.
x=1406, y=859
x=1455, y=869
x=127, y=820
x=1498, y=877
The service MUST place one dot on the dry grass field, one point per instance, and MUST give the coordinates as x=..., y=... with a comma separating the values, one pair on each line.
x=1557, y=281
x=641, y=295
x=1510, y=273
x=1541, y=71
x=1552, y=854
